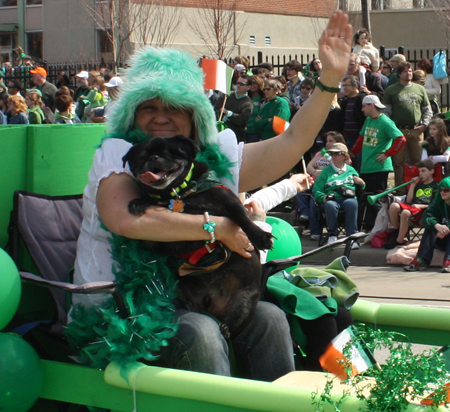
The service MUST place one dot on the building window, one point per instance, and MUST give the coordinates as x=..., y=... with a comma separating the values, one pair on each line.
x=252, y=40
x=35, y=45
x=8, y=3
x=381, y=4
x=33, y=2
x=267, y=41
x=343, y=5
x=105, y=48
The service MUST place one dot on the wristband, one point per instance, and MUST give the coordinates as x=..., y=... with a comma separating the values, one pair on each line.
x=324, y=88
x=209, y=227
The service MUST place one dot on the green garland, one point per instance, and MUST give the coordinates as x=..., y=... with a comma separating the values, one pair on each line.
x=403, y=376
x=147, y=283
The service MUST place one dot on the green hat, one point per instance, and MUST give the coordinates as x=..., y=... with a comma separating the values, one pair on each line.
x=172, y=76
x=2, y=74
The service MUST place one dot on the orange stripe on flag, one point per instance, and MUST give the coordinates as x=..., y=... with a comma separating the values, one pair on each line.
x=279, y=125
x=334, y=361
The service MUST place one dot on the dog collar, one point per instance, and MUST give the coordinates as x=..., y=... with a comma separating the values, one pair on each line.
x=176, y=191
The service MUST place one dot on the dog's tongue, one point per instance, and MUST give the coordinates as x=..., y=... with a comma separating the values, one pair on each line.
x=149, y=178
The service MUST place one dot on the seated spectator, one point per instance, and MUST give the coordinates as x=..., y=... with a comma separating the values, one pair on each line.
x=293, y=70
x=420, y=194
x=307, y=207
x=364, y=47
x=284, y=92
x=238, y=108
x=432, y=85
x=35, y=107
x=257, y=95
x=306, y=88
x=17, y=110
x=64, y=114
x=436, y=224
x=335, y=189
x=274, y=106
x=263, y=73
x=313, y=68
x=436, y=146
x=266, y=65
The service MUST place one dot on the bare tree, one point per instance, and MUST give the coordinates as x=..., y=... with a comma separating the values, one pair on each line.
x=158, y=22
x=117, y=20
x=216, y=26
x=442, y=9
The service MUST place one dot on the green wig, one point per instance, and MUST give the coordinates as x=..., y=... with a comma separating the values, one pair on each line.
x=443, y=183
x=172, y=76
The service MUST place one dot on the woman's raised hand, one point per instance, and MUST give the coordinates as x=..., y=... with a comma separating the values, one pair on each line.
x=334, y=49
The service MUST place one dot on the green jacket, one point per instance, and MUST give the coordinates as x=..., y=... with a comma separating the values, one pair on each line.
x=275, y=107
x=437, y=212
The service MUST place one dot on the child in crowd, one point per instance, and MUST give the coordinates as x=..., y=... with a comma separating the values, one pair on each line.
x=420, y=195
x=64, y=115
x=436, y=222
x=436, y=146
x=97, y=97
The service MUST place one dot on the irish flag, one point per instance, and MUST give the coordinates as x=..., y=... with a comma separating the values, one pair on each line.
x=279, y=125
x=333, y=360
x=218, y=75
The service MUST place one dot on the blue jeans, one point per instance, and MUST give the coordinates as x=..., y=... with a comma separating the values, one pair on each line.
x=308, y=207
x=264, y=348
x=350, y=207
x=429, y=242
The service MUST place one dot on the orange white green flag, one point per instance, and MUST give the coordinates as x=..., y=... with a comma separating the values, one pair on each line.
x=279, y=125
x=334, y=361
x=218, y=75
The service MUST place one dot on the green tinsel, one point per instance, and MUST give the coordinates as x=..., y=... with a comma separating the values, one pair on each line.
x=403, y=376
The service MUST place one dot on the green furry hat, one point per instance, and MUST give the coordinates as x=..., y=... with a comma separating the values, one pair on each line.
x=172, y=76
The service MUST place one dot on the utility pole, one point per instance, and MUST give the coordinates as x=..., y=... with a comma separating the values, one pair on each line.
x=365, y=15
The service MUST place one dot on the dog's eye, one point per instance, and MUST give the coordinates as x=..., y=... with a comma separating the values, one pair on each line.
x=207, y=302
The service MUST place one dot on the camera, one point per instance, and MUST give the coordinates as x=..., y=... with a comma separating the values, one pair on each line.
x=331, y=196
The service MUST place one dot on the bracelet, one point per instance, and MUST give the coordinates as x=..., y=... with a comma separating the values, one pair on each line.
x=324, y=88
x=209, y=227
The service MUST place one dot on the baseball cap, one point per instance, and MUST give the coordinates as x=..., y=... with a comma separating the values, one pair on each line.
x=397, y=58
x=239, y=67
x=39, y=70
x=114, y=82
x=373, y=99
x=83, y=75
x=26, y=57
x=338, y=147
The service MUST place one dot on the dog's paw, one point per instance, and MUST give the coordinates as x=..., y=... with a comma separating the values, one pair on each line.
x=137, y=206
x=263, y=241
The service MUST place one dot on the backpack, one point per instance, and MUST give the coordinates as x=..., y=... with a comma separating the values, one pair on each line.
x=440, y=65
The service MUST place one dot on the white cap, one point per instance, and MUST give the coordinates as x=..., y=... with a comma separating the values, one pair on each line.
x=239, y=67
x=83, y=75
x=114, y=82
x=373, y=99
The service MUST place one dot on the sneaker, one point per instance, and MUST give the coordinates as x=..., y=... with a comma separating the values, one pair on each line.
x=355, y=245
x=315, y=237
x=416, y=265
x=446, y=266
x=303, y=218
x=392, y=243
x=331, y=239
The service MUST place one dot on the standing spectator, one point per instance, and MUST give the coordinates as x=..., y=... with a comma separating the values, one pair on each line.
x=351, y=106
x=368, y=82
x=275, y=106
x=386, y=69
x=408, y=106
x=314, y=68
x=238, y=108
x=432, y=85
x=3, y=87
x=97, y=97
x=81, y=92
x=17, y=109
x=64, y=115
x=257, y=95
x=3, y=95
x=307, y=87
x=63, y=79
x=395, y=61
x=364, y=47
x=384, y=80
x=293, y=74
x=419, y=77
x=15, y=87
x=92, y=75
x=47, y=89
x=35, y=113
x=113, y=89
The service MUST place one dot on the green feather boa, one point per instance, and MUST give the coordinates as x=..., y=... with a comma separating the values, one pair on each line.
x=147, y=283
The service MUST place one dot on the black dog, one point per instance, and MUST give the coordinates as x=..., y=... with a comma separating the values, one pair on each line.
x=167, y=174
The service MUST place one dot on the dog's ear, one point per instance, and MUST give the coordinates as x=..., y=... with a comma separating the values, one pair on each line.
x=187, y=146
x=127, y=157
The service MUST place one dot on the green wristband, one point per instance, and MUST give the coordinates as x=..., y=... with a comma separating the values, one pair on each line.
x=324, y=88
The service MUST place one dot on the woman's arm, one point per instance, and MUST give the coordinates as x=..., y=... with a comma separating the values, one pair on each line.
x=266, y=161
x=159, y=223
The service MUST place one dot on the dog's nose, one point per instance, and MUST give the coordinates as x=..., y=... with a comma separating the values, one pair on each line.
x=154, y=157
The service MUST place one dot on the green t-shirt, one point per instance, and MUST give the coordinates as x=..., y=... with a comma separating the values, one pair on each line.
x=378, y=136
x=406, y=102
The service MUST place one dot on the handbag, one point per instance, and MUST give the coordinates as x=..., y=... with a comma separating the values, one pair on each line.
x=345, y=192
x=440, y=65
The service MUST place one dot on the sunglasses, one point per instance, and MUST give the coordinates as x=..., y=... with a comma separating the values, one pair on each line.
x=242, y=84
x=445, y=189
x=336, y=153
x=267, y=88
x=386, y=67
x=305, y=88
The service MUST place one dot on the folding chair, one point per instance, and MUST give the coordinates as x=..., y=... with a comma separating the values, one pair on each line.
x=49, y=227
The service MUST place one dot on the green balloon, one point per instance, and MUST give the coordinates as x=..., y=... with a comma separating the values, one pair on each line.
x=21, y=374
x=9, y=289
x=287, y=242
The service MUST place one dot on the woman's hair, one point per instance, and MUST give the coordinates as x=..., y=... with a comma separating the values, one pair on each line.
x=311, y=65
x=64, y=90
x=386, y=63
x=100, y=81
x=35, y=97
x=242, y=60
x=337, y=137
x=359, y=32
x=63, y=102
x=15, y=83
x=19, y=104
x=419, y=76
x=273, y=84
x=94, y=73
x=442, y=141
x=425, y=64
x=283, y=83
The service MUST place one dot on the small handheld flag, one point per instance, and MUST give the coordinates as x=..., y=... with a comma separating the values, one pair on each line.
x=218, y=75
x=279, y=125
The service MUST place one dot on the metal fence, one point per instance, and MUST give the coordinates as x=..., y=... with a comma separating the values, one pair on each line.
x=278, y=62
